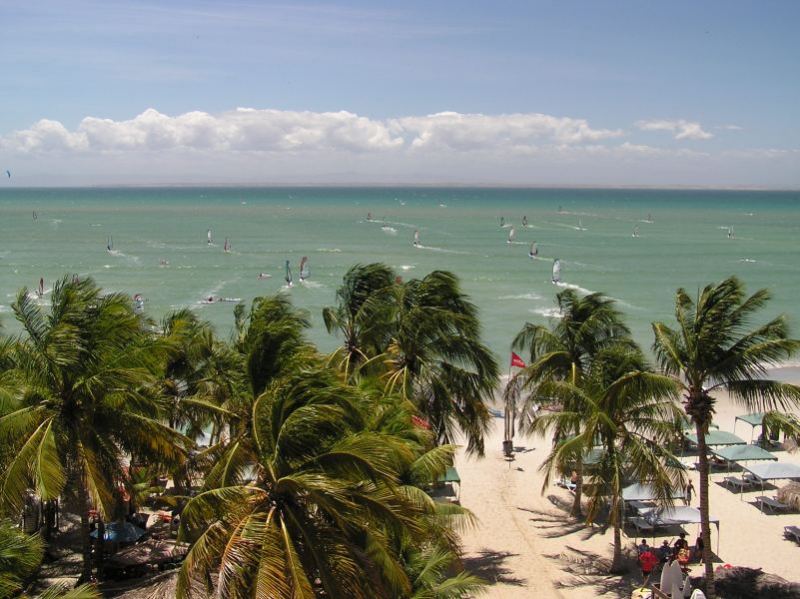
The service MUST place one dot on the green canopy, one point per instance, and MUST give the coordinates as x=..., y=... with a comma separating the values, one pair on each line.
x=451, y=476
x=718, y=438
x=743, y=453
x=754, y=419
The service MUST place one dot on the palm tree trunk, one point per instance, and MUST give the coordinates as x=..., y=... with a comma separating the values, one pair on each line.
x=616, y=562
x=705, y=529
x=86, y=540
x=577, y=511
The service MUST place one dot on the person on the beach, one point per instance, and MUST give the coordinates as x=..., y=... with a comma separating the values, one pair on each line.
x=647, y=561
x=642, y=547
x=680, y=543
x=699, y=545
x=664, y=552
x=689, y=491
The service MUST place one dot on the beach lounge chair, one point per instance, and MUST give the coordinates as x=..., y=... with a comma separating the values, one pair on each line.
x=773, y=504
x=734, y=482
x=792, y=532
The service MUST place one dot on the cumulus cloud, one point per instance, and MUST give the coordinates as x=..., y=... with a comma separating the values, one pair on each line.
x=254, y=130
x=680, y=128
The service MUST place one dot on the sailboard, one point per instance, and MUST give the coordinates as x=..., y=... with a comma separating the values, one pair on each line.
x=534, y=251
x=556, y=271
x=304, y=271
x=288, y=276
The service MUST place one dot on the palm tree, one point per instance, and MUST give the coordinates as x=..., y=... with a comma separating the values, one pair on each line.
x=565, y=352
x=322, y=508
x=356, y=316
x=82, y=396
x=630, y=415
x=715, y=348
x=436, y=358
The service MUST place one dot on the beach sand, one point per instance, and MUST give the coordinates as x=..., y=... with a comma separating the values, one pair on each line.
x=525, y=545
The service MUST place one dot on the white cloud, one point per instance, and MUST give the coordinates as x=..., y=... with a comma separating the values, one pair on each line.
x=731, y=127
x=467, y=132
x=253, y=130
x=681, y=128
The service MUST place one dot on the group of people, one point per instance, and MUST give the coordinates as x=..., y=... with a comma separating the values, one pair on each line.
x=650, y=558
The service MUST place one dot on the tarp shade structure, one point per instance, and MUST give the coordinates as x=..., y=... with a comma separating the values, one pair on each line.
x=718, y=438
x=774, y=471
x=645, y=492
x=680, y=515
x=451, y=476
x=755, y=419
x=743, y=453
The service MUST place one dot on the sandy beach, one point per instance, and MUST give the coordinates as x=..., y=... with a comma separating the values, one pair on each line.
x=525, y=545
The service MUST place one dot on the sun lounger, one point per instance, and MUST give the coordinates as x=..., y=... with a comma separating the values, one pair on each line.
x=642, y=524
x=738, y=483
x=792, y=532
x=773, y=504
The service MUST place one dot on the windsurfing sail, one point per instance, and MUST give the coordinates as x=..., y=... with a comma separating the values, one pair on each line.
x=524, y=221
x=502, y=221
x=210, y=237
x=304, y=272
x=369, y=217
x=227, y=246
x=556, y=271
x=580, y=225
x=35, y=216
x=40, y=291
x=110, y=244
x=288, y=276
x=416, y=237
x=731, y=234
x=534, y=251
x=636, y=231
x=512, y=234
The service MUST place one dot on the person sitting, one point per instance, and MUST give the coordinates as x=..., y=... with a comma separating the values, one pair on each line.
x=664, y=552
x=680, y=543
x=642, y=547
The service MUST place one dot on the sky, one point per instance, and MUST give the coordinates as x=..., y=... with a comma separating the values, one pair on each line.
x=448, y=92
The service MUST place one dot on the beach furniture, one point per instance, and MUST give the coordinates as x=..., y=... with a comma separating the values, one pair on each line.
x=772, y=504
x=792, y=532
x=734, y=482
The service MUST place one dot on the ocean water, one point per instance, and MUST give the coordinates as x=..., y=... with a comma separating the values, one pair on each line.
x=683, y=241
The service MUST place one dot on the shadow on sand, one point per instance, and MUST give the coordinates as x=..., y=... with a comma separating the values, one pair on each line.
x=490, y=566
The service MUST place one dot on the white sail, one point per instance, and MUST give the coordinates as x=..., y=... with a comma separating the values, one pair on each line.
x=304, y=271
x=636, y=231
x=534, y=251
x=556, y=271
x=416, y=237
x=512, y=234
x=210, y=237
x=227, y=246
x=110, y=244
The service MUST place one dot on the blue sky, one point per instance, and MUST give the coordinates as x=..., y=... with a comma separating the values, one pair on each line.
x=670, y=93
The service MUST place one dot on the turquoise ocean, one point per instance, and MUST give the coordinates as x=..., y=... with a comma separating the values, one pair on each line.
x=685, y=238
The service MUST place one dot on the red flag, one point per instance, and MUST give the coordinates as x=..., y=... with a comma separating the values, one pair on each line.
x=517, y=361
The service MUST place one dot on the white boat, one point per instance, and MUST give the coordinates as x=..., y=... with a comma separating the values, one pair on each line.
x=416, y=238
x=512, y=234
x=534, y=251
x=304, y=271
x=556, y=271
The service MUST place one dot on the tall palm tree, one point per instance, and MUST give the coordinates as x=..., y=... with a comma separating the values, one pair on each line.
x=564, y=352
x=356, y=317
x=436, y=358
x=20, y=557
x=630, y=415
x=715, y=347
x=83, y=394
x=321, y=510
